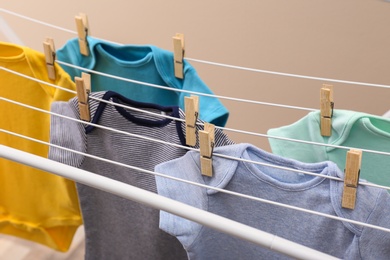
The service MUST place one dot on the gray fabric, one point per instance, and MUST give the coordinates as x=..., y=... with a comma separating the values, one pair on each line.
x=117, y=228
x=340, y=239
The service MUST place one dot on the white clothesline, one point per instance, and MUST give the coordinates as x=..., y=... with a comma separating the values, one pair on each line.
x=214, y=63
x=182, y=120
x=182, y=146
x=182, y=90
x=205, y=218
x=151, y=199
x=211, y=187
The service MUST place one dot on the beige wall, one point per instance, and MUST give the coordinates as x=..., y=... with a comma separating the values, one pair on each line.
x=347, y=40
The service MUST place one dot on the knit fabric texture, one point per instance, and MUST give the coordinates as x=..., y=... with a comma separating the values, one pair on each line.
x=340, y=239
x=117, y=228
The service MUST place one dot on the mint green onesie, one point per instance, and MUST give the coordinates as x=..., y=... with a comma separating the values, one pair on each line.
x=349, y=128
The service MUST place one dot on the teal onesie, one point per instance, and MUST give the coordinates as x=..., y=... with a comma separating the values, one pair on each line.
x=144, y=63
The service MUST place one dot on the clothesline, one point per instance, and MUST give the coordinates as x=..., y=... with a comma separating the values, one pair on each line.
x=215, y=154
x=182, y=90
x=151, y=199
x=168, y=88
x=182, y=146
x=215, y=63
x=159, y=141
x=182, y=120
x=211, y=187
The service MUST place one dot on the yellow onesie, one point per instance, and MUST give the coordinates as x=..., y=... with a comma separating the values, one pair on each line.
x=34, y=205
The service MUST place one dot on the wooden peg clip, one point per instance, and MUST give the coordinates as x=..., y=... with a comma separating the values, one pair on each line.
x=326, y=104
x=206, y=141
x=178, y=54
x=191, y=107
x=50, y=56
x=82, y=95
x=351, y=178
x=87, y=81
x=82, y=31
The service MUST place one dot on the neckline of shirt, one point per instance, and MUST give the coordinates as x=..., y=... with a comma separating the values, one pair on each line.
x=284, y=179
x=345, y=120
x=126, y=55
x=11, y=52
x=172, y=111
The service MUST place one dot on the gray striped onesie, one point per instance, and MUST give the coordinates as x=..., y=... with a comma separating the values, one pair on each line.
x=117, y=228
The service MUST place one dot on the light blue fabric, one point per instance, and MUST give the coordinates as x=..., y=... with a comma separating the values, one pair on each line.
x=145, y=63
x=350, y=129
x=340, y=239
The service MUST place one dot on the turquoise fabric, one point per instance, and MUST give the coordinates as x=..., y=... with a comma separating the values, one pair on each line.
x=349, y=128
x=145, y=63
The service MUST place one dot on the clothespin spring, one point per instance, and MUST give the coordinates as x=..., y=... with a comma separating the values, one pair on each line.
x=212, y=144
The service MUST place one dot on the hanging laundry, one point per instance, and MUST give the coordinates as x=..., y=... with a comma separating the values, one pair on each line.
x=350, y=129
x=145, y=63
x=117, y=228
x=34, y=205
x=334, y=237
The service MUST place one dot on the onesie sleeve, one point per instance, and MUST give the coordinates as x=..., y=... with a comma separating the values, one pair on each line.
x=184, y=168
x=69, y=53
x=211, y=109
x=63, y=80
x=66, y=133
x=374, y=243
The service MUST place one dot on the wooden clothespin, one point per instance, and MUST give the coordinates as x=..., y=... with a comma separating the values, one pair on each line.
x=50, y=56
x=206, y=141
x=178, y=54
x=82, y=31
x=351, y=178
x=82, y=95
x=327, y=104
x=87, y=81
x=191, y=107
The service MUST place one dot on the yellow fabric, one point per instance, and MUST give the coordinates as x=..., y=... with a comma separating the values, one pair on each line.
x=34, y=205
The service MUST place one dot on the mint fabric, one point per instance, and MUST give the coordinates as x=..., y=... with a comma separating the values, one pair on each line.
x=350, y=129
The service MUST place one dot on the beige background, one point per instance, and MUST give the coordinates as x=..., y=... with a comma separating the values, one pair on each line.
x=347, y=40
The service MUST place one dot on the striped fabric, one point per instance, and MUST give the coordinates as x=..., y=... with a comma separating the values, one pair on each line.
x=116, y=228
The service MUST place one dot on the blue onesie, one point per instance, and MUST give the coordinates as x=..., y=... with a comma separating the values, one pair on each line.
x=145, y=63
x=340, y=239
